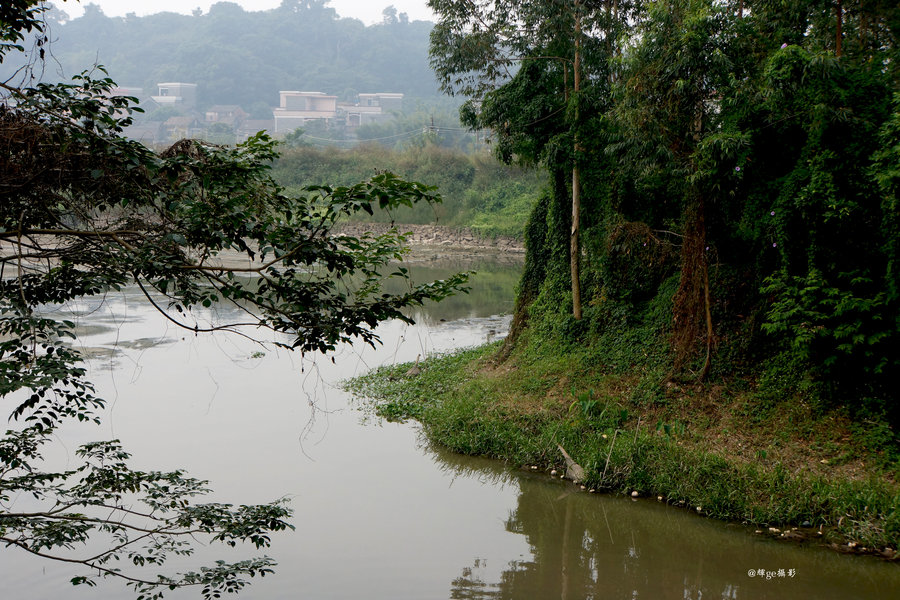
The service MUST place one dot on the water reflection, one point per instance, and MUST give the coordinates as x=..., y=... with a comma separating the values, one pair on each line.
x=375, y=518
x=588, y=546
x=492, y=285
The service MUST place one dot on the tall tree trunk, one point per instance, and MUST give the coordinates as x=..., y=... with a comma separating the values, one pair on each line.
x=575, y=246
x=692, y=303
x=693, y=297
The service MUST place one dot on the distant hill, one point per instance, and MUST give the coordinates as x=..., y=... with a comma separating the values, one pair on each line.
x=244, y=58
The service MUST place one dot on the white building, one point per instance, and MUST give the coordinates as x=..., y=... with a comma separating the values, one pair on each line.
x=296, y=108
x=181, y=95
x=371, y=108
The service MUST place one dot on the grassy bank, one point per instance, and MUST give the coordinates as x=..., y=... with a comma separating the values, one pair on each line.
x=712, y=449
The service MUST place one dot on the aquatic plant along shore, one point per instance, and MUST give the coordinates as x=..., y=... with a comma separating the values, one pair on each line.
x=522, y=412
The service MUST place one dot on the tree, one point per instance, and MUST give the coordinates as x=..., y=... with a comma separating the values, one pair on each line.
x=672, y=126
x=735, y=160
x=834, y=218
x=389, y=15
x=294, y=139
x=530, y=69
x=84, y=211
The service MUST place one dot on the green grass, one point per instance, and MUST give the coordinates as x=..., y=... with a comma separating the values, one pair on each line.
x=519, y=410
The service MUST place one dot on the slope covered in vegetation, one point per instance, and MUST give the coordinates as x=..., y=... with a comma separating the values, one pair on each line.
x=737, y=172
x=710, y=305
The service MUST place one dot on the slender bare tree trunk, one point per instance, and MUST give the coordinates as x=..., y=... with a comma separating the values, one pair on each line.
x=574, y=245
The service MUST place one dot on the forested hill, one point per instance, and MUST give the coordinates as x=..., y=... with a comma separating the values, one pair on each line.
x=245, y=58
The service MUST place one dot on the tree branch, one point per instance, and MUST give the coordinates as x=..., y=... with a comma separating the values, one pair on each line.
x=93, y=565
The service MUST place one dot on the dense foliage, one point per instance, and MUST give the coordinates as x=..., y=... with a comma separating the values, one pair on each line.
x=739, y=165
x=85, y=212
x=477, y=191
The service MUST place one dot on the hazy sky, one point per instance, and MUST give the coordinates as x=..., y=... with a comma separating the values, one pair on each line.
x=367, y=11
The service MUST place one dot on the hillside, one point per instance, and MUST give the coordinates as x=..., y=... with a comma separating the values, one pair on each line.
x=244, y=58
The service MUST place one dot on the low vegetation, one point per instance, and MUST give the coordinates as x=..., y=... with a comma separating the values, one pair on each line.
x=478, y=191
x=723, y=450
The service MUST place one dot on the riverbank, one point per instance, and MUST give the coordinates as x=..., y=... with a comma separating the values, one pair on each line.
x=439, y=237
x=785, y=471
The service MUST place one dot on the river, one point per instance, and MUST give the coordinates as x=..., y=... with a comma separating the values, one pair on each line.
x=380, y=514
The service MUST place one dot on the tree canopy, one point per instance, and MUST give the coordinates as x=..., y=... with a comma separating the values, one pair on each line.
x=738, y=164
x=85, y=211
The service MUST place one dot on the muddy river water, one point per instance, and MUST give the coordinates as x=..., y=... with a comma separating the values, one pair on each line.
x=379, y=513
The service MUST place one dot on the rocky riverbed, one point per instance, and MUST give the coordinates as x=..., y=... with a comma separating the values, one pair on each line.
x=439, y=236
